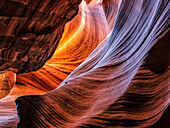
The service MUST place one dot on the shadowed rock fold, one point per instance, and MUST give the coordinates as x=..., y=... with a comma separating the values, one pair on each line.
x=109, y=70
x=28, y=27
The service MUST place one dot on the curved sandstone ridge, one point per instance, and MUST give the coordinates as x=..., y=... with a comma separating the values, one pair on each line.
x=110, y=69
x=74, y=47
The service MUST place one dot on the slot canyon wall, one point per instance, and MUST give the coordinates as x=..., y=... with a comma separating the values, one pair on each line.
x=84, y=64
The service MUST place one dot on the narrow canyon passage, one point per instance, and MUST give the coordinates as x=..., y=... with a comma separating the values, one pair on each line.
x=84, y=64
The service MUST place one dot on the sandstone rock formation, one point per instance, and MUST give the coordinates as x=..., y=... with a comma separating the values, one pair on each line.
x=7, y=81
x=110, y=69
x=30, y=31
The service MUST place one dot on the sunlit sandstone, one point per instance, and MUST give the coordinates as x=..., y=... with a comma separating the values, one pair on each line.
x=109, y=67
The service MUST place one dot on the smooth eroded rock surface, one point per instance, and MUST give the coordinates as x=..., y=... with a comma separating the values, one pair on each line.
x=7, y=81
x=110, y=70
x=113, y=87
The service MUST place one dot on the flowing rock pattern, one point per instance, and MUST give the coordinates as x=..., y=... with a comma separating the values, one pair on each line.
x=63, y=61
x=124, y=82
x=76, y=44
x=28, y=27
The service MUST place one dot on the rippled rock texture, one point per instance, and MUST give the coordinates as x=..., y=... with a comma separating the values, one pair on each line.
x=109, y=70
x=28, y=27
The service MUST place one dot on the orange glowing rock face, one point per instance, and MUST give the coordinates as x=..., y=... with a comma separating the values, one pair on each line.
x=74, y=47
x=7, y=81
x=99, y=75
x=30, y=32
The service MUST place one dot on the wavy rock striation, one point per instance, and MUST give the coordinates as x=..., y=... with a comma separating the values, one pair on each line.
x=110, y=69
x=113, y=87
x=79, y=39
x=29, y=27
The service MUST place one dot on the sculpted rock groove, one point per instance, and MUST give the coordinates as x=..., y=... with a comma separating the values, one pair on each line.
x=28, y=27
x=109, y=70
x=115, y=90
